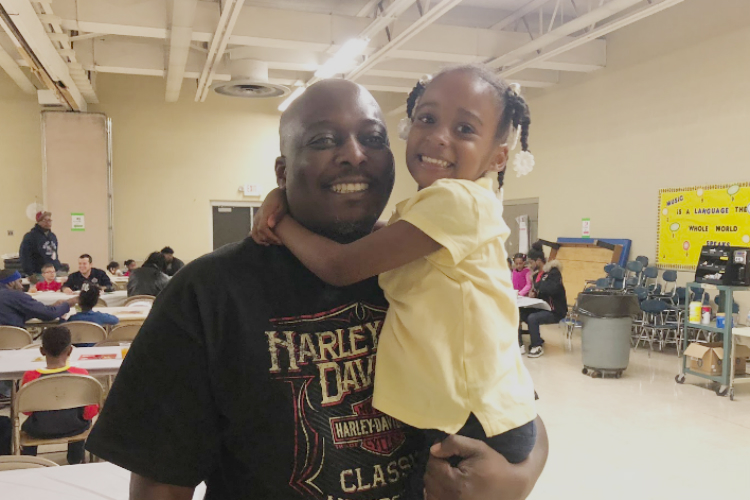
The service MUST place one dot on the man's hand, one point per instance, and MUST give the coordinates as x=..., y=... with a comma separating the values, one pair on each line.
x=274, y=209
x=67, y=290
x=483, y=474
x=73, y=301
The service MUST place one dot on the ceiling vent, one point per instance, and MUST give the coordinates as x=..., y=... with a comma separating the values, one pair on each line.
x=249, y=80
x=48, y=100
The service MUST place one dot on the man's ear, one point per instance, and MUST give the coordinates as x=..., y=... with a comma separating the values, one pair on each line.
x=280, y=168
x=499, y=159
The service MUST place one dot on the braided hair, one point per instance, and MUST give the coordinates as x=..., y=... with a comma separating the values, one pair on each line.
x=515, y=111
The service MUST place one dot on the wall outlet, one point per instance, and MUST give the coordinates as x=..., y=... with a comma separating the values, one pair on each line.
x=10, y=232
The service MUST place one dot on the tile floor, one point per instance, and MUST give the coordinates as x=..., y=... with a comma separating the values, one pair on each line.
x=641, y=437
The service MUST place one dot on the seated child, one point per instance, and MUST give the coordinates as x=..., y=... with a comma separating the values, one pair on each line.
x=113, y=269
x=130, y=266
x=59, y=423
x=33, y=280
x=521, y=275
x=87, y=300
x=49, y=284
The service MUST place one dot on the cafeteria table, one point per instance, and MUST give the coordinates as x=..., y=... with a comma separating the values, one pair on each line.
x=97, y=481
x=112, y=299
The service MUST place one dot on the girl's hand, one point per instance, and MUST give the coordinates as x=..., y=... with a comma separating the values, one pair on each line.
x=274, y=209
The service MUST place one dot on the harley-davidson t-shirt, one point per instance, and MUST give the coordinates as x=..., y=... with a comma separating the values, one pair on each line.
x=253, y=375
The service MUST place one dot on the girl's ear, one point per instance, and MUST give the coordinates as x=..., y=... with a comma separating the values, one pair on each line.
x=499, y=158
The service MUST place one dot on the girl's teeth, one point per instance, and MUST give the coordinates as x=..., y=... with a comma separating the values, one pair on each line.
x=350, y=188
x=435, y=161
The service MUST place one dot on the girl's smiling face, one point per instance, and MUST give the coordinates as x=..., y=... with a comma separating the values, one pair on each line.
x=454, y=128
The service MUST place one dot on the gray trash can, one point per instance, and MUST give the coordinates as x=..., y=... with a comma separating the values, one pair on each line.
x=606, y=324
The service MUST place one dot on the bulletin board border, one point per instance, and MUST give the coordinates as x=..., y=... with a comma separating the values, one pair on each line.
x=679, y=267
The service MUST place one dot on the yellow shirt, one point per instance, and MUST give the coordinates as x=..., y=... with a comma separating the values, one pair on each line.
x=449, y=344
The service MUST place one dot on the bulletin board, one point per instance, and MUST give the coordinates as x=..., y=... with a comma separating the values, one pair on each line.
x=692, y=217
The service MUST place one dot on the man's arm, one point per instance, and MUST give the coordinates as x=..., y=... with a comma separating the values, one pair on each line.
x=142, y=488
x=32, y=308
x=483, y=474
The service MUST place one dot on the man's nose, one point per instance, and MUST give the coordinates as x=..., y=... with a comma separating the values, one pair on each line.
x=352, y=152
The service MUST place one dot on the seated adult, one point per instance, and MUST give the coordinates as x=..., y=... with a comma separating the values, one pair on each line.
x=173, y=264
x=547, y=285
x=17, y=307
x=149, y=279
x=87, y=274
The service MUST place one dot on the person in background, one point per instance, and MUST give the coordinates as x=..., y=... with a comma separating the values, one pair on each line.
x=17, y=307
x=130, y=266
x=33, y=280
x=39, y=246
x=521, y=275
x=150, y=278
x=547, y=285
x=88, y=299
x=56, y=348
x=113, y=269
x=87, y=274
x=173, y=263
x=49, y=283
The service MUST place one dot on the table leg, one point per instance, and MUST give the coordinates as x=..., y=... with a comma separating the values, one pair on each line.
x=15, y=447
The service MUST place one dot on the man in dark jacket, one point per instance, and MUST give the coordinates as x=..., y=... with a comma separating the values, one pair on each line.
x=17, y=307
x=547, y=285
x=39, y=246
x=149, y=279
x=87, y=274
x=173, y=264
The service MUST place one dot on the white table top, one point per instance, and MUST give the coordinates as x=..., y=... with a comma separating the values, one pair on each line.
x=113, y=299
x=126, y=312
x=533, y=303
x=72, y=482
x=13, y=364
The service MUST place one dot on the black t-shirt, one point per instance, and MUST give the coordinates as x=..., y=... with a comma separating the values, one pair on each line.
x=252, y=374
x=96, y=277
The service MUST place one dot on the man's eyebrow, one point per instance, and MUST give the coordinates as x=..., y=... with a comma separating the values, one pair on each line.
x=333, y=124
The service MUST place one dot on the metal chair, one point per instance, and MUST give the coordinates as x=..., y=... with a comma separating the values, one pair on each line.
x=609, y=267
x=655, y=327
x=634, y=270
x=139, y=298
x=643, y=260
x=650, y=273
x=617, y=274
x=51, y=393
x=123, y=333
x=669, y=277
x=600, y=284
x=16, y=462
x=85, y=332
x=12, y=337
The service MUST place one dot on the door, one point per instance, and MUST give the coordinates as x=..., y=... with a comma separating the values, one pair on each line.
x=513, y=209
x=231, y=224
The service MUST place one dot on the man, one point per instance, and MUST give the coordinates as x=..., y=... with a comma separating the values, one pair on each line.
x=39, y=246
x=149, y=279
x=547, y=285
x=87, y=274
x=269, y=375
x=173, y=263
x=17, y=307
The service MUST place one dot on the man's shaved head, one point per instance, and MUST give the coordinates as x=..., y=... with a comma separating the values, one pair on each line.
x=336, y=163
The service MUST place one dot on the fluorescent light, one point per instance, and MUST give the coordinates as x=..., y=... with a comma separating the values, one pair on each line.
x=297, y=92
x=343, y=60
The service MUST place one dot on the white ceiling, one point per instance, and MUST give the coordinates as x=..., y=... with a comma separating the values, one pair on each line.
x=528, y=41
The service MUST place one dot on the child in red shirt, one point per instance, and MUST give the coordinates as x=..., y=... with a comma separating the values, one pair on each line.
x=48, y=284
x=56, y=348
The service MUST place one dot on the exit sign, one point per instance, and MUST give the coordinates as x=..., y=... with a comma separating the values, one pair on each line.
x=251, y=190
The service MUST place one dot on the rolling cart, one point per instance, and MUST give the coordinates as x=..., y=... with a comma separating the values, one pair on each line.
x=727, y=378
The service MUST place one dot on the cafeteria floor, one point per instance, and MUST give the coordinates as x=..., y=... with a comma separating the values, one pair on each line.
x=640, y=437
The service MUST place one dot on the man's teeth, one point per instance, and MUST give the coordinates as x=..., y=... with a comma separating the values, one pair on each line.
x=350, y=188
x=435, y=161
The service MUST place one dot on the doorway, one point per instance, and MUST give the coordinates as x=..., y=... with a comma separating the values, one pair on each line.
x=516, y=208
x=231, y=221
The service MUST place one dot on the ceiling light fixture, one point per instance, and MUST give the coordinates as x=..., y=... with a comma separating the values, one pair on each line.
x=343, y=60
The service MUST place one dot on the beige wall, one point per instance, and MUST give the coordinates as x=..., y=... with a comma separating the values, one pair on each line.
x=671, y=109
x=20, y=162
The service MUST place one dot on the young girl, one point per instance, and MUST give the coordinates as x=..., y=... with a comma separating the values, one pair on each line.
x=447, y=357
x=521, y=275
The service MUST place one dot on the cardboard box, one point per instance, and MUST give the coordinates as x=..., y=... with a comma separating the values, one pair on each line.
x=708, y=358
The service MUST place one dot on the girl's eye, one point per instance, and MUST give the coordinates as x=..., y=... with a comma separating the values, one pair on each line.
x=465, y=129
x=426, y=118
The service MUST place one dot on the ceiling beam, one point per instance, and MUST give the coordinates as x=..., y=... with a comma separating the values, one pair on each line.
x=180, y=37
x=14, y=71
x=517, y=15
x=230, y=11
x=415, y=28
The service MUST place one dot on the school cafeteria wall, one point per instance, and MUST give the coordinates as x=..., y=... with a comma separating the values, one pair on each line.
x=670, y=109
x=20, y=162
